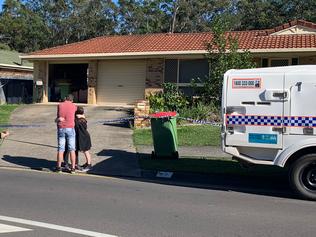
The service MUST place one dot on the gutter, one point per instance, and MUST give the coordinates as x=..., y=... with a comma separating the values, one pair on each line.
x=114, y=55
x=131, y=55
x=9, y=66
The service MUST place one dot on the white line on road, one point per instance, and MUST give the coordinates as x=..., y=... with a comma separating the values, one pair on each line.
x=11, y=228
x=55, y=227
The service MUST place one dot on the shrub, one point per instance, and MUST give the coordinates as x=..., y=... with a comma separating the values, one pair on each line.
x=170, y=99
x=4, y=47
x=200, y=111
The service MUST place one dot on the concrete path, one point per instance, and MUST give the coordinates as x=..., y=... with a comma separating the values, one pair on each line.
x=112, y=150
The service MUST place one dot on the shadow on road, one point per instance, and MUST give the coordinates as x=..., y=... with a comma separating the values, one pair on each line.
x=30, y=162
x=274, y=186
x=116, y=163
x=247, y=181
x=122, y=164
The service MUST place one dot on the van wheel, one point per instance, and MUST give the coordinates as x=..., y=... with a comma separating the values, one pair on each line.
x=303, y=176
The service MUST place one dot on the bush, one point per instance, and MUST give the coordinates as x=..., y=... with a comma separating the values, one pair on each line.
x=170, y=99
x=4, y=47
x=200, y=111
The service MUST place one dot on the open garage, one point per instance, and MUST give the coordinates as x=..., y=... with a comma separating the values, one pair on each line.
x=67, y=79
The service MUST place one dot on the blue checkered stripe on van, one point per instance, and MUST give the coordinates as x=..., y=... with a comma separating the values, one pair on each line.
x=262, y=120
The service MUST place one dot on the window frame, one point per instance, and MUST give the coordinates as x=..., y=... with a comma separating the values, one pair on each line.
x=181, y=84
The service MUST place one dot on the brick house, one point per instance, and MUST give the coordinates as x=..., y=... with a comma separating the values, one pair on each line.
x=16, y=79
x=115, y=70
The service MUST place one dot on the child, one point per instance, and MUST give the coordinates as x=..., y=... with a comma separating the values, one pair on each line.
x=83, y=140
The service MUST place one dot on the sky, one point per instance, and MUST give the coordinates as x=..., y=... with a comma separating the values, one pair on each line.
x=1, y=2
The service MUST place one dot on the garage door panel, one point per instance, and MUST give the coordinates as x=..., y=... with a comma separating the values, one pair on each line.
x=121, y=81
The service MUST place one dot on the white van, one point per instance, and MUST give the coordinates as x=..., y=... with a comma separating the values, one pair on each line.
x=269, y=118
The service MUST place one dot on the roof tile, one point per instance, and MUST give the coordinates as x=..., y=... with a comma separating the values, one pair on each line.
x=161, y=42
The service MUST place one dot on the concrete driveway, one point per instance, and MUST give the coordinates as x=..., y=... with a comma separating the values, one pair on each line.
x=112, y=150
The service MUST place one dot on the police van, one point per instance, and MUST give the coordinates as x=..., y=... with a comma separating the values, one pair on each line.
x=269, y=118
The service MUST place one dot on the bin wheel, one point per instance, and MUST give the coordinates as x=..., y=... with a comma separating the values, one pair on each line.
x=153, y=155
x=175, y=155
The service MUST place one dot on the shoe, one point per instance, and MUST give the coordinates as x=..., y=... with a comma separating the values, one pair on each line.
x=72, y=171
x=57, y=169
x=65, y=166
x=86, y=167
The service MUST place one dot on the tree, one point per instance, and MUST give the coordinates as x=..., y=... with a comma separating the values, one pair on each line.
x=223, y=55
x=141, y=17
x=193, y=16
x=151, y=16
x=75, y=20
x=263, y=14
x=24, y=30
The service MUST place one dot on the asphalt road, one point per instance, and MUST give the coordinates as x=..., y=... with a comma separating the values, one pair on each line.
x=49, y=204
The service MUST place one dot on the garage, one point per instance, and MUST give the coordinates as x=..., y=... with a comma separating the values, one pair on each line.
x=67, y=79
x=121, y=81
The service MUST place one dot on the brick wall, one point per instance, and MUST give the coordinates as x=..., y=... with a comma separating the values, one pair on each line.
x=141, y=109
x=92, y=82
x=307, y=60
x=40, y=74
x=154, y=75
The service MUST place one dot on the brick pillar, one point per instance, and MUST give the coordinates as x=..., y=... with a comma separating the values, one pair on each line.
x=141, y=109
x=40, y=74
x=92, y=82
x=154, y=75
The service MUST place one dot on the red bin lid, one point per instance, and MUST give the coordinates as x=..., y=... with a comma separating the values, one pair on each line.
x=163, y=114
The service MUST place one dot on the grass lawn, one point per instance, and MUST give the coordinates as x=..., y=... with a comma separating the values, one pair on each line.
x=208, y=166
x=195, y=135
x=5, y=113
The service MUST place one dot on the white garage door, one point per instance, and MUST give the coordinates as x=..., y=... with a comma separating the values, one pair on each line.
x=121, y=81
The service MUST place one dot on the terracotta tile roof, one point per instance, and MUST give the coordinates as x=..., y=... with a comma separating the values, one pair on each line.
x=133, y=43
x=252, y=40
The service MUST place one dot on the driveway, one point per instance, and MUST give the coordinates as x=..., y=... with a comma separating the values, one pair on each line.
x=112, y=150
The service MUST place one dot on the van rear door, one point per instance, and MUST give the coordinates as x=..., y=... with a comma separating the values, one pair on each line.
x=300, y=111
x=254, y=110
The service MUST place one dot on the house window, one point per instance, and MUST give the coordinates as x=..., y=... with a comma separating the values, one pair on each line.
x=193, y=69
x=171, y=70
x=182, y=71
x=278, y=62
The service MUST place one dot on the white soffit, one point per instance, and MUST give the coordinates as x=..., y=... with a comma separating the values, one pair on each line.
x=296, y=30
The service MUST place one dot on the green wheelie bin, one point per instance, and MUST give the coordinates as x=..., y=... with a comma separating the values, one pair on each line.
x=164, y=133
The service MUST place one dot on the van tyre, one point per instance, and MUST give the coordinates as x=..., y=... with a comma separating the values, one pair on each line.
x=303, y=176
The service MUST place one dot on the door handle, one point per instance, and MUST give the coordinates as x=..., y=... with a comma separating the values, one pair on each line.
x=279, y=129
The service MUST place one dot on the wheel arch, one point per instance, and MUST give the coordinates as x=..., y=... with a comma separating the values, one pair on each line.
x=297, y=154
